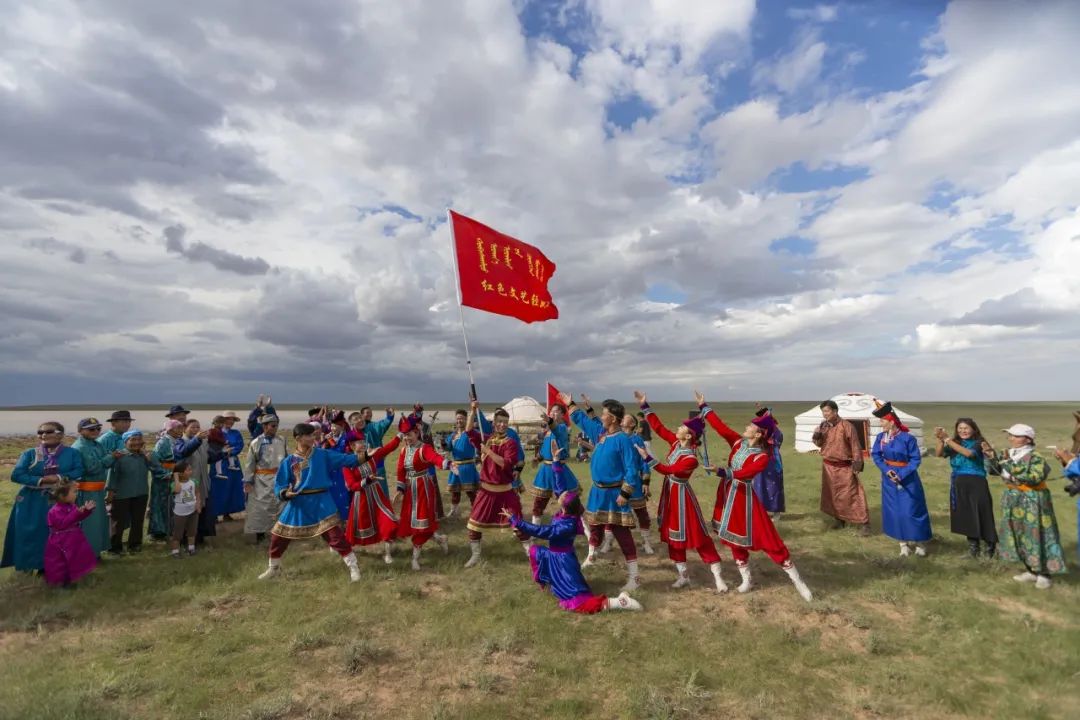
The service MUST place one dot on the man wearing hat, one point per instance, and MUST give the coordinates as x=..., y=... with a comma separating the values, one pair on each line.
x=113, y=440
x=682, y=525
x=178, y=412
x=739, y=518
x=261, y=463
x=96, y=463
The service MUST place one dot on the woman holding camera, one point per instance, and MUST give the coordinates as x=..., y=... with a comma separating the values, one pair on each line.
x=1029, y=530
x=971, y=509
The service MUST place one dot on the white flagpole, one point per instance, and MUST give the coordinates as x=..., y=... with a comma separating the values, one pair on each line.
x=461, y=314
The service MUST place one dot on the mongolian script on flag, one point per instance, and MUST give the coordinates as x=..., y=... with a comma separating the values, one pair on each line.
x=501, y=274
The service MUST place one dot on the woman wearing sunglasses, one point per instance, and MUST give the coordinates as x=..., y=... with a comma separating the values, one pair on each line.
x=38, y=470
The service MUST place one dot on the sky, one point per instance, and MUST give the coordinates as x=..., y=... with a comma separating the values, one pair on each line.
x=770, y=200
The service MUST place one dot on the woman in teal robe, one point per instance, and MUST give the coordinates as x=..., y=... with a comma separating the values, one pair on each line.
x=96, y=463
x=38, y=470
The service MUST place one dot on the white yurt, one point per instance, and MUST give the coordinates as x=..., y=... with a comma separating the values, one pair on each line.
x=526, y=416
x=859, y=409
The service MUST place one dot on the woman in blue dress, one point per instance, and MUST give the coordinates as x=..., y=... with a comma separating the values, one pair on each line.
x=556, y=566
x=554, y=451
x=904, y=516
x=38, y=470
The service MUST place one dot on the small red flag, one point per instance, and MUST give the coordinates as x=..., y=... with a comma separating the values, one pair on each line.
x=553, y=399
x=501, y=274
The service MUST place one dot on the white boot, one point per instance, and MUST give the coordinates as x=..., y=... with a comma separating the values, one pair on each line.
x=920, y=550
x=526, y=545
x=387, y=557
x=605, y=547
x=474, y=559
x=1043, y=583
x=590, y=559
x=353, y=565
x=453, y=510
x=646, y=546
x=797, y=580
x=683, y=580
x=721, y=586
x=632, y=581
x=744, y=571
x=415, y=558
x=443, y=542
x=273, y=570
x=905, y=549
x=623, y=602
x=536, y=519
x=1026, y=577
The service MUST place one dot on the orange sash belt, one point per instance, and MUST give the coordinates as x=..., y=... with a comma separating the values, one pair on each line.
x=496, y=488
x=168, y=465
x=896, y=463
x=265, y=471
x=1026, y=488
x=91, y=486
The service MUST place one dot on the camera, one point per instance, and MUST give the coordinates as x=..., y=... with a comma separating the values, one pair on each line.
x=1073, y=487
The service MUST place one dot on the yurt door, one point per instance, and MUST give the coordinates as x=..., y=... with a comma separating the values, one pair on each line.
x=862, y=432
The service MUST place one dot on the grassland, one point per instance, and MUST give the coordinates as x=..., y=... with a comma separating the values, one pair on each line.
x=944, y=637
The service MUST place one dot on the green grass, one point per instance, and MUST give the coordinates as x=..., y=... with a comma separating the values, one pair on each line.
x=943, y=637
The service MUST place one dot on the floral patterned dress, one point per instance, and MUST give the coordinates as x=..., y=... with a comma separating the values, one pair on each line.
x=1028, y=527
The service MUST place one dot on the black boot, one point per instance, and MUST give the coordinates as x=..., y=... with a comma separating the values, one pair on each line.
x=991, y=550
x=259, y=537
x=973, y=548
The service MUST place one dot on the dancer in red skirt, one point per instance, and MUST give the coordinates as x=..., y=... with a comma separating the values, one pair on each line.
x=416, y=491
x=371, y=515
x=740, y=519
x=499, y=455
x=682, y=524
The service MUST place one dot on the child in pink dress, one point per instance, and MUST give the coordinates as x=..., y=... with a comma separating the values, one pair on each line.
x=68, y=555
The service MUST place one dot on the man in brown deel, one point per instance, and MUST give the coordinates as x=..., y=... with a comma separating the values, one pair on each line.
x=842, y=495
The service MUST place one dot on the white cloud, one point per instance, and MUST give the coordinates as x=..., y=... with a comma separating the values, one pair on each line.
x=818, y=13
x=327, y=140
x=935, y=338
x=797, y=69
x=635, y=27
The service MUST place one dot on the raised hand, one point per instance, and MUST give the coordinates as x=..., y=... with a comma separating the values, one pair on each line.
x=585, y=399
x=699, y=397
x=640, y=397
x=565, y=398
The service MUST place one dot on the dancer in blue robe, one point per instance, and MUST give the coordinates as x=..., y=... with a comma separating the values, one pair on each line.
x=556, y=566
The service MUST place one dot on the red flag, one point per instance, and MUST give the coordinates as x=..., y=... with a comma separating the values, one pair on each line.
x=553, y=399
x=501, y=274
